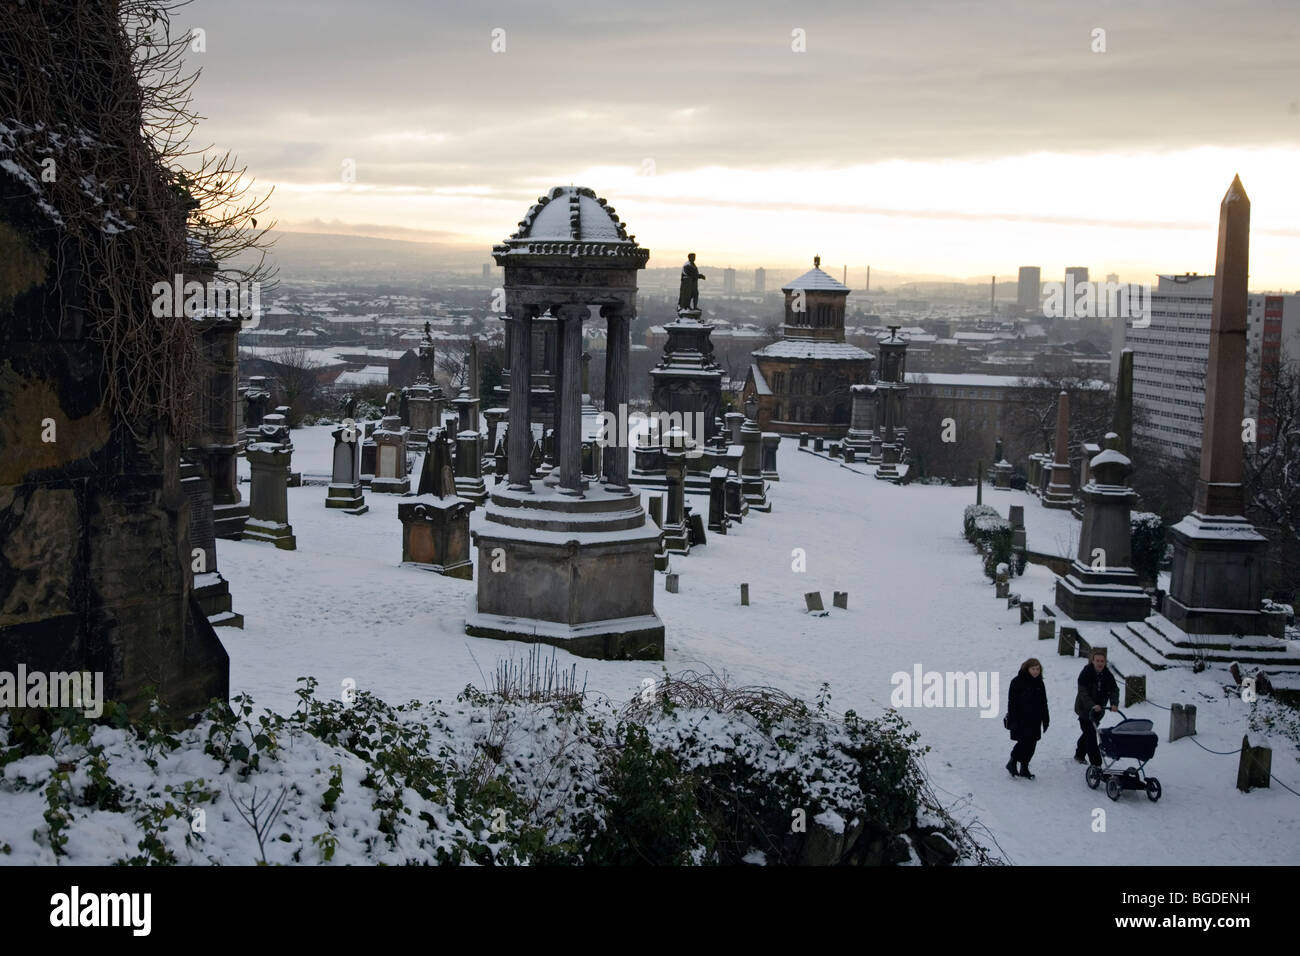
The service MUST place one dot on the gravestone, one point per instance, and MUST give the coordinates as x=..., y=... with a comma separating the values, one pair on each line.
x=841, y=600
x=718, y=500
x=1026, y=612
x=1182, y=721
x=751, y=462
x=803, y=439
x=345, y=480
x=850, y=455
x=1255, y=767
x=1135, y=689
x=771, y=445
x=435, y=523
x=737, y=507
x=391, y=477
x=1046, y=629
x=469, y=467
x=676, y=537
x=819, y=444
x=655, y=510
x=1002, y=589
x=695, y=525
x=268, y=499
x=670, y=583
x=744, y=595
x=813, y=601
x=1067, y=640
x=207, y=586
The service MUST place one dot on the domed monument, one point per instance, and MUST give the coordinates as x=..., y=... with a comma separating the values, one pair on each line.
x=564, y=560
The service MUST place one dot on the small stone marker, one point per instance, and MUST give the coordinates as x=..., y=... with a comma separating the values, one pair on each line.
x=1135, y=689
x=813, y=599
x=1003, y=590
x=803, y=439
x=841, y=600
x=1182, y=721
x=1255, y=767
x=670, y=583
x=1066, y=641
x=695, y=526
x=1046, y=628
x=819, y=444
x=1013, y=600
x=850, y=455
x=1026, y=612
x=744, y=595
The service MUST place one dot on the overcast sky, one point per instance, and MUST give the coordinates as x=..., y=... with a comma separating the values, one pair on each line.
x=949, y=138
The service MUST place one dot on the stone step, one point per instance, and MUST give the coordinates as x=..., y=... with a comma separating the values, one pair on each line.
x=1160, y=644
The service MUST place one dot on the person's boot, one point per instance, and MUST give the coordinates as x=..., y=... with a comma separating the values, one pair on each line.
x=1011, y=767
x=1024, y=771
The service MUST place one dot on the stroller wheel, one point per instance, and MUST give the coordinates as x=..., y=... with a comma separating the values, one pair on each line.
x=1093, y=776
x=1113, y=788
x=1153, y=789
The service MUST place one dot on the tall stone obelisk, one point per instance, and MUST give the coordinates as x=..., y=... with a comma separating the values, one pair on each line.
x=1058, y=493
x=1123, y=420
x=1216, y=585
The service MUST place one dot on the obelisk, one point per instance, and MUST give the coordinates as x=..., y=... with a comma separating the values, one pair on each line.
x=1058, y=493
x=1216, y=586
x=1123, y=423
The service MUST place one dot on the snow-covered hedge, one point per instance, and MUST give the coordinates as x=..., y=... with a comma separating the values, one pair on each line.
x=991, y=534
x=753, y=776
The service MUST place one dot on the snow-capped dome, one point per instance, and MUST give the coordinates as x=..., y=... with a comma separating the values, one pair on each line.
x=814, y=280
x=571, y=214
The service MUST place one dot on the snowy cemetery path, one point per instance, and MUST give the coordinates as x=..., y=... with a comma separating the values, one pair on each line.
x=341, y=607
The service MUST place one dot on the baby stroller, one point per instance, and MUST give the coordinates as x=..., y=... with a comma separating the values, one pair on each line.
x=1127, y=740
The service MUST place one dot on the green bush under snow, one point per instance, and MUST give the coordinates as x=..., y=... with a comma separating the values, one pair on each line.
x=691, y=772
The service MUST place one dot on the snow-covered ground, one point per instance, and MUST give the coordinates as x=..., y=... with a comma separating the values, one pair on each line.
x=340, y=608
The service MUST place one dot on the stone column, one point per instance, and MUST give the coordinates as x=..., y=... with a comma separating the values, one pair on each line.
x=617, y=384
x=1058, y=493
x=474, y=382
x=569, y=402
x=520, y=431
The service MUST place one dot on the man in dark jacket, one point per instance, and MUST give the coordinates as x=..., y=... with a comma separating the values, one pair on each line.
x=1096, y=687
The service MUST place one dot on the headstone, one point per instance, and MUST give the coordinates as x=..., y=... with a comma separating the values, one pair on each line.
x=670, y=583
x=345, y=479
x=695, y=524
x=1013, y=600
x=718, y=500
x=841, y=600
x=819, y=444
x=1135, y=689
x=655, y=507
x=469, y=467
x=1182, y=721
x=744, y=595
x=850, y=455
x=268, y=504
x=813, y=601
x=1002, y=589
x=771, y=444
x=435, y=523
x=751, y=464
x=676, y=536
x=1255, y=767
x=1026, y=612
x=803, y=439
x=737, y=507
x=1046, y=629
x=1067, y=640
x=390, y=463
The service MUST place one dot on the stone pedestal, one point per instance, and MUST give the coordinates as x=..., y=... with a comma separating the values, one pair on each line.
x=771, y=445
x=419, y=400
x=734, y=422
x=687, y=383
x=435, y=535
x=676, y=537
x=391, y=477
x=862, y=419
x=1102, y=585
x=737, y=507
x=1002, y=476
x=268, y=507
x=345, y=480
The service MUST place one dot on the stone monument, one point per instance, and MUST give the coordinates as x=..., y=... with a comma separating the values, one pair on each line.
x=268, y=500
x=345, y=478
x=391, y=477
x=435, y=524
x=1057, y=493
x=578, y=555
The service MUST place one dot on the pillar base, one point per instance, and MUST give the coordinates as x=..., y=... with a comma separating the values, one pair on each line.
x=280, y=535
x=228, y=520
x=212, y=592
x=348, y=498
x=1113, y=595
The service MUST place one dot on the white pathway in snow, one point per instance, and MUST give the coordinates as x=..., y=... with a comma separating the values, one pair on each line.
x=340, y=607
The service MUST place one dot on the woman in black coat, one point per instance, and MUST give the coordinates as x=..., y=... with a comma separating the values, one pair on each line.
x=1026, y=712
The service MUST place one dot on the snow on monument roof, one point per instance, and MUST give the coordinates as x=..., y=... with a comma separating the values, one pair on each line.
x=571, y=214
x=801, y=349
x=816, y=280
